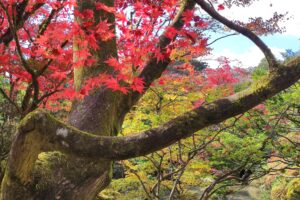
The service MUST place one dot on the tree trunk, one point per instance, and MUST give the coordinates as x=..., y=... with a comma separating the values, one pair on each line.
x=60, y=176
x=51, y=160
x=56, y=175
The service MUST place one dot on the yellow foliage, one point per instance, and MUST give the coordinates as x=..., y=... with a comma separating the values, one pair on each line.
x=293, y=190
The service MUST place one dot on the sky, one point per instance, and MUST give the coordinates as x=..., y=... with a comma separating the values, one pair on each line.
x=241, y=49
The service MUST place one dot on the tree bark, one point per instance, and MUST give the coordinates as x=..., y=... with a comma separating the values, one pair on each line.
x=52, y=160
x=64, y=176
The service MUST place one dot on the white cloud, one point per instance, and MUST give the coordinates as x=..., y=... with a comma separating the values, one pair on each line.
x=249, y=58
x=265, y=9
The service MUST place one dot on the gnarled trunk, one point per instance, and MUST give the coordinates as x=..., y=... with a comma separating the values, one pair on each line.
x=60, y=176
x=52, y=160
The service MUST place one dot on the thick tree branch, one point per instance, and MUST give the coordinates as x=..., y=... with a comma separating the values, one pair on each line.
x=242, y=30
x=40, y=132
x=27, y=97
x=43, y=26
x=154, y=67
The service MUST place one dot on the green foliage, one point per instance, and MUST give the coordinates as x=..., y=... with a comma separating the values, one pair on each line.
x=261, y=70
x=255, y=140
x=293, y=190
x=278, y=190
x=285, y=189
x=43, y=167
x=124, y=189
x=8, y=122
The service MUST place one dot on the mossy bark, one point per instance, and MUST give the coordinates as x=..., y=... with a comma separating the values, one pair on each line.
x=52, y=160
x=59, y=176
x=83, y=167
x=97, y=113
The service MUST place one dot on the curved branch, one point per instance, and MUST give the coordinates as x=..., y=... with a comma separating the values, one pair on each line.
x=225, y=36
x=199, y=118
x=242, y=30
x=39, y=132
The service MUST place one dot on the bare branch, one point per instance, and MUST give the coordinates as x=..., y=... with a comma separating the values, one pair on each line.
x=242, y=30
x=225, y=36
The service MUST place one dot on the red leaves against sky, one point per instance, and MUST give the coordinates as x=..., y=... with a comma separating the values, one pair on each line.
x=139, y=24
x=221, y=80
x=223, y=75
x=221, y=7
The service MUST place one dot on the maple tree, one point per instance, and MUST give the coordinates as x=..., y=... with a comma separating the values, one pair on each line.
x=104, y=56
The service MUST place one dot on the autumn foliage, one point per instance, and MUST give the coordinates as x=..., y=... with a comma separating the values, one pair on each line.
x=37, y=54
x=103, y=58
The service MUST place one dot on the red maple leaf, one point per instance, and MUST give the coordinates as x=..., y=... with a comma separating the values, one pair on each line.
x=137, y=85
x=102, y=6
x=112, y=83
x=170, y=32
x=221, y=7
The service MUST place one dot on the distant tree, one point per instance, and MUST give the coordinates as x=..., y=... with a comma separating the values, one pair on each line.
x=289, y=53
